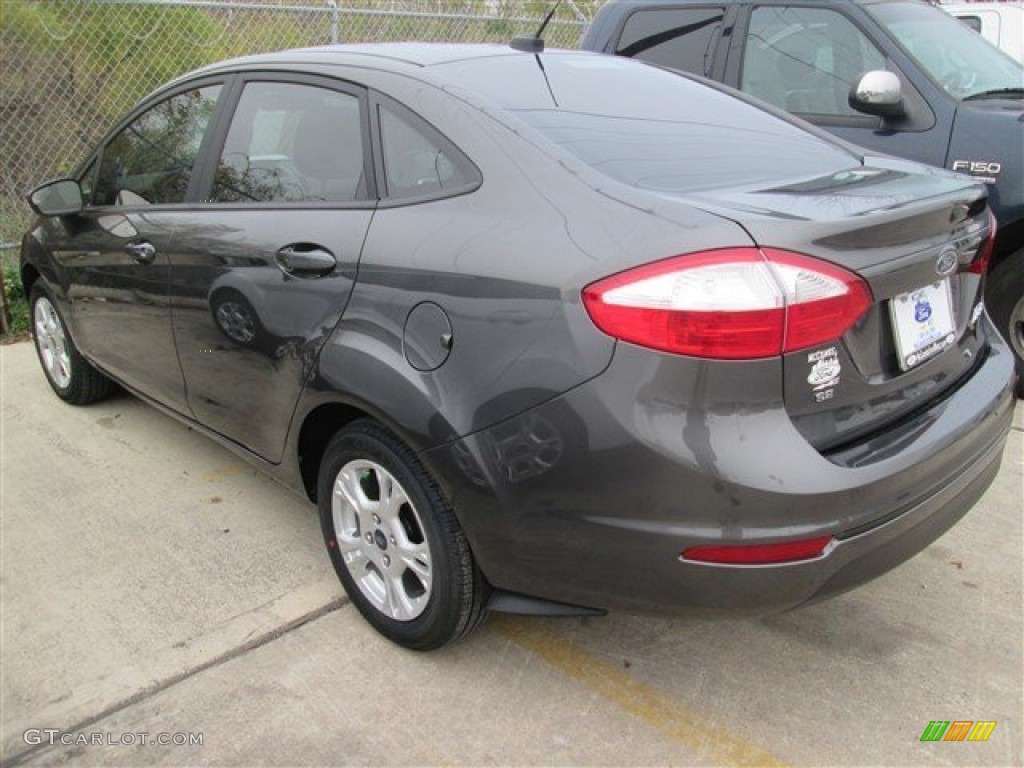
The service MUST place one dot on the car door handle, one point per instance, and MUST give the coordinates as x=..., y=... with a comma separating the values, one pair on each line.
x=305, y=260
x=143, y=252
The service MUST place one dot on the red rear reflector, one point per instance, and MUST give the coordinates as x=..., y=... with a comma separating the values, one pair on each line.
x=980, y=264
x=759, y=554
x=733, y=303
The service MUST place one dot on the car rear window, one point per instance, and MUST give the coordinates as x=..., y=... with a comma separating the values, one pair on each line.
x=646, y=126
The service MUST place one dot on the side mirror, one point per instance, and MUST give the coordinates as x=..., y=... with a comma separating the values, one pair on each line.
x=61, y=197
x=878, y=93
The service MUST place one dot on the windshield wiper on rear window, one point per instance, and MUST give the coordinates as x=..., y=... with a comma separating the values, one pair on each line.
x=997, y=93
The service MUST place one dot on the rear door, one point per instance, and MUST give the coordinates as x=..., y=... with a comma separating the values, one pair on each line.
x=264, y=266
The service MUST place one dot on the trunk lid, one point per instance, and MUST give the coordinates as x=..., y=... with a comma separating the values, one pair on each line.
x=912, y=235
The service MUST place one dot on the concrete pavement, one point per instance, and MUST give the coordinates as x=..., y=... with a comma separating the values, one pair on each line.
x=152, y=583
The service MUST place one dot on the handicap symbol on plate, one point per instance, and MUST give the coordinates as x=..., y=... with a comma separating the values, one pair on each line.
x=922, y=310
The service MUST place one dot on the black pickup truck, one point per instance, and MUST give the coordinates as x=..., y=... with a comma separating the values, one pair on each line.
x=895, y=76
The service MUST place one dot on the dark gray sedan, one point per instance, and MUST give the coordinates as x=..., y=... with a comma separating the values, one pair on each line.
x=552, y=333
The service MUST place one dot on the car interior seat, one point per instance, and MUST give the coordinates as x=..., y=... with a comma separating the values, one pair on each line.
x=328, y=152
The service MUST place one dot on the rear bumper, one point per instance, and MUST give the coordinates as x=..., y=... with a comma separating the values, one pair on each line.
x=590, y=498
x=869, y=554
x=759, y=590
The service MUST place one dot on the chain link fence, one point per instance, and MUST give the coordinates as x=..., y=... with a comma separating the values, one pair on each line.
x=70, y=68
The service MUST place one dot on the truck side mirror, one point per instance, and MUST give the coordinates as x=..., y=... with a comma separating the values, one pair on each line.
x=878, y=93
x=61, y=197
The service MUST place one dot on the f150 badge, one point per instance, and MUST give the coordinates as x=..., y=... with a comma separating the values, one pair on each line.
x=980, y=169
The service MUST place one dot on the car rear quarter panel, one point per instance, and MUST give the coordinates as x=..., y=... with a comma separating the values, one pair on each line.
x=662, y=452
x=506, y=264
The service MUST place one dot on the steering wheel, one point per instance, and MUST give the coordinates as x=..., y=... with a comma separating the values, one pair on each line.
x=961, y=76
x=959, y=81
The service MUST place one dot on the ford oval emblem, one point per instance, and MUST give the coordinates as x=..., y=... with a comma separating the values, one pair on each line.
x=947, y=261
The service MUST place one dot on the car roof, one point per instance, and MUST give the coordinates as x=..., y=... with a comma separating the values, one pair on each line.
x=412, y=59
x=415, y=53
x=391, y=56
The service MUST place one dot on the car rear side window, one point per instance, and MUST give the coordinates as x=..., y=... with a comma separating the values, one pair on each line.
x=290, y=142
x=418, y=161
x=151, y=160
x=805, y=60
x=682, y=38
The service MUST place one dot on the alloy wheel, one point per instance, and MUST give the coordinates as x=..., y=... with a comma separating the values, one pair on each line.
x=52, y=343
x=381, y=539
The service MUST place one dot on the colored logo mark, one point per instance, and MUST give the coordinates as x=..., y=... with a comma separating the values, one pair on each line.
x=922, y=310
x=958, y=730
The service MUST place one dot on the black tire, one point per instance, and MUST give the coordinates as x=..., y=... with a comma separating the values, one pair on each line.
x=416, y=612
x=70, y=375
x=1005, y=300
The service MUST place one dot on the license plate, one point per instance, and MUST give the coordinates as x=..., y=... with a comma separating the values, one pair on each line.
x=923, y=323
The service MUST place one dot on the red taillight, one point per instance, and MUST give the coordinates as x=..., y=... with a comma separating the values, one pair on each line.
x=759, y=554
x=733, y=303
x=980, y=264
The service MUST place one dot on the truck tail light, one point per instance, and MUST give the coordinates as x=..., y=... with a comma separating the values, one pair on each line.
x=979, y=266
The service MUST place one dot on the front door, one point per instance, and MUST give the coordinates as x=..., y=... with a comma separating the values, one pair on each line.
x=805, y=59
x=116, y=253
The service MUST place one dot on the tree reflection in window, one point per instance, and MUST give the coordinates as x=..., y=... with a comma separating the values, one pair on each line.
x=291, y=142
x=151, y=160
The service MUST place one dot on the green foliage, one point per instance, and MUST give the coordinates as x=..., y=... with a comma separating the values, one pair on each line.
x=69, y=69
x=264, y=32
x=126, y=51
x=16, y=301
x=37, y=26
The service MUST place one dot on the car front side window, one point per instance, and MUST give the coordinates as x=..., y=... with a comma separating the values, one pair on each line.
x=151, y=160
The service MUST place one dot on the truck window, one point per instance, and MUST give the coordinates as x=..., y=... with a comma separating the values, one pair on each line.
x=682, y=38
x=965, y=64
x=974, y=22
x=805, y=60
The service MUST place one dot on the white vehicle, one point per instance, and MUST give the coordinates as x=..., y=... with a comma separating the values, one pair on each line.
x=1002, y=24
